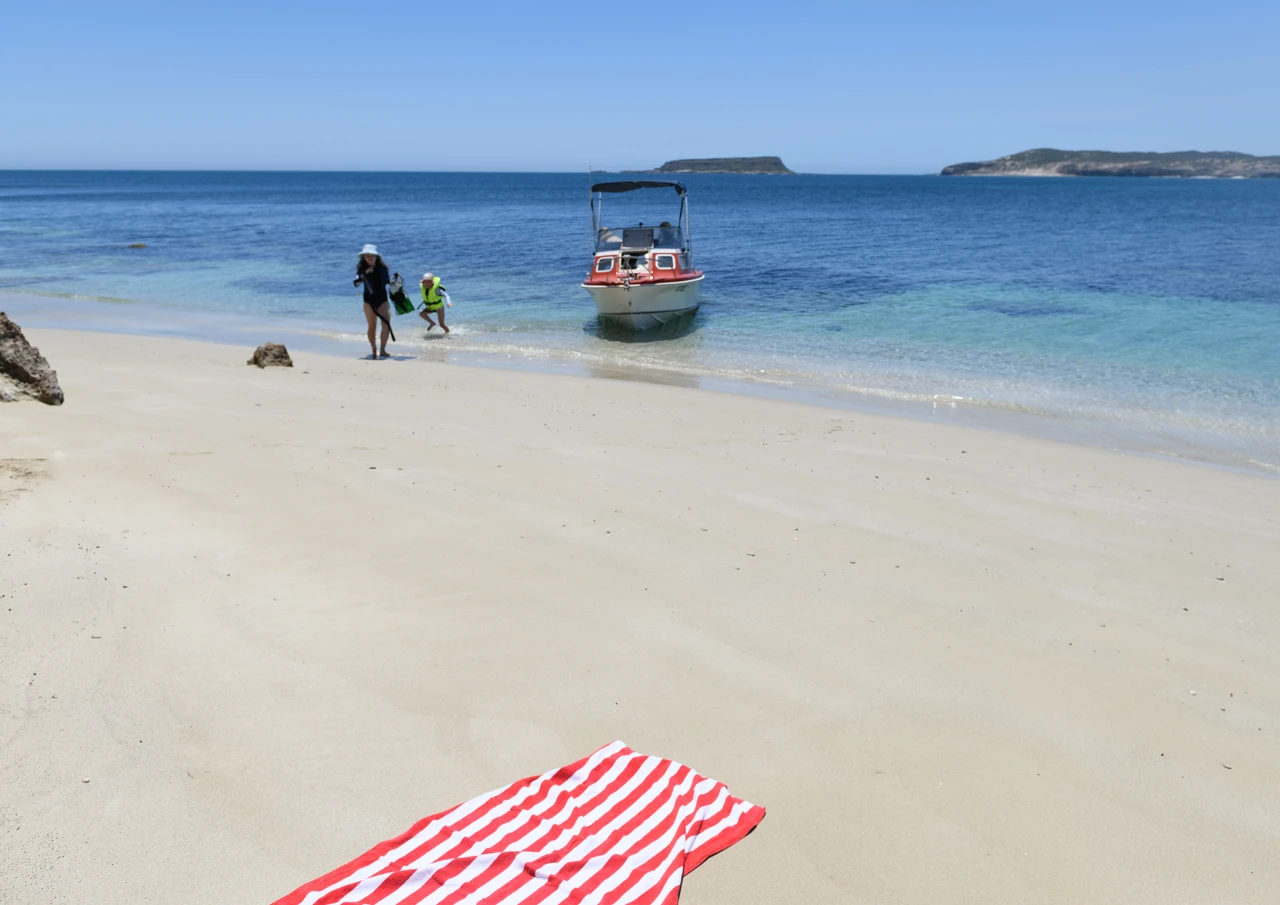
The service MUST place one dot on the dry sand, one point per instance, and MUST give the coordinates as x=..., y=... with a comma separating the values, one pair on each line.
x=252, y=622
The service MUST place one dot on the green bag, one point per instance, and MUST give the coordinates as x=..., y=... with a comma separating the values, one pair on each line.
x=401, y=301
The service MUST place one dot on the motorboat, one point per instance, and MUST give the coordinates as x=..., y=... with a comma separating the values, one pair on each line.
x=642, y=277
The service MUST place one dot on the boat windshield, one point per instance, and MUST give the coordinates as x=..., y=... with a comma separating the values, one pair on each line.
x=646, y=237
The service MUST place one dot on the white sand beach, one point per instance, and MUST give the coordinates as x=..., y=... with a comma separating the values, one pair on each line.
x=253, y=622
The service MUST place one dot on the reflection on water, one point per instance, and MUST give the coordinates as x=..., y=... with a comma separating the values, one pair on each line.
x=611, y=330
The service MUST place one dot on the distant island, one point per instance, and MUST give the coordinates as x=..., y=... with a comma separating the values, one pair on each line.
x=752, y=166
x=1185, y=164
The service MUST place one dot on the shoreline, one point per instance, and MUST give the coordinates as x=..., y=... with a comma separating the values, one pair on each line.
x=108, y=316
x=255, y=621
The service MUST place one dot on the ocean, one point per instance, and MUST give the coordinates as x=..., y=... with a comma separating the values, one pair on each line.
x=1140, y=314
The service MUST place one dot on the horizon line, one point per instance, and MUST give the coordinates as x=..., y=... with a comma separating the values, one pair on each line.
x=9, y=169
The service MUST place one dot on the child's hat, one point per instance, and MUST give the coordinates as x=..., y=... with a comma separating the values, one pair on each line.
x=369, y=250
x=427, y=275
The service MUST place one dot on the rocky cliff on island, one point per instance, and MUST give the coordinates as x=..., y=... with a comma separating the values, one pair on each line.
x=1185, y=164
x=751, y=166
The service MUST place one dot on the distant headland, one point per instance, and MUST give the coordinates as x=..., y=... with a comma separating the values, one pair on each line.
x=752, y=166
x=1185, y=164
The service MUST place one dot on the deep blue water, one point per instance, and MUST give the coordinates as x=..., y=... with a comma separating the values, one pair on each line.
x=1143, y=305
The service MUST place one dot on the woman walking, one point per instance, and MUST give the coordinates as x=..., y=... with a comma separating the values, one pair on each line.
x=372, y=272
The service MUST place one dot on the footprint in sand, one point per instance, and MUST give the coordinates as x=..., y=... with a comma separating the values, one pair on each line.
x=18, y=475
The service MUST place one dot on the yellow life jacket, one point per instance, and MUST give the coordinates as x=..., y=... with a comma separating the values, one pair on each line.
x=432, y=296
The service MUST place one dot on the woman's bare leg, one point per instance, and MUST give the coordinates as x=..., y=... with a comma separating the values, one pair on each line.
x=373, y=326
x=385, y=311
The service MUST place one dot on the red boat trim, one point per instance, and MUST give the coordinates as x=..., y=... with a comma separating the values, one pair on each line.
x=642, y=282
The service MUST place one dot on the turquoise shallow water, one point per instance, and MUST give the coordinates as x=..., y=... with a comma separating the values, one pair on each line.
x=1146, y=310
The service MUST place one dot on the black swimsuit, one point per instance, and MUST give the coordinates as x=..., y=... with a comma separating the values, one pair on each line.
x=375, y=281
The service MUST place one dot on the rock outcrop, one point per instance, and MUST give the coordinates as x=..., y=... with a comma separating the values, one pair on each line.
x=23, y=370
x=271, y=355
x=1186, y=164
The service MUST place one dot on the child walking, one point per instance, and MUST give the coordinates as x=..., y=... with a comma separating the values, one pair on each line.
x=434, y=298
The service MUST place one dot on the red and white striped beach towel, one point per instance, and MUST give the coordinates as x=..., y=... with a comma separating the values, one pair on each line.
x=615, y=828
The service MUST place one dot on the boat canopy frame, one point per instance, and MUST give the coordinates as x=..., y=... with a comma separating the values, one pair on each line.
x=600, y=189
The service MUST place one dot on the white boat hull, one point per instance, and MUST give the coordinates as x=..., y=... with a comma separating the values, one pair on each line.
x=644, y=306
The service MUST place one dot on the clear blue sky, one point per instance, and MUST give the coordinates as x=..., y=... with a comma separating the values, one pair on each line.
x=474, y=85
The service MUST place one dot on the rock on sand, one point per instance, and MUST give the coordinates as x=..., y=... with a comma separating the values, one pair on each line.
x=23, y=370
x=271, y=355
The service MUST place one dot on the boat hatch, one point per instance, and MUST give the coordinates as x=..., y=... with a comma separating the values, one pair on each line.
x=637, y=239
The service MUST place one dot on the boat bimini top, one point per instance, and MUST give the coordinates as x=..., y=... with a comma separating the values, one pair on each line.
x=615, y=187
x=639, y=238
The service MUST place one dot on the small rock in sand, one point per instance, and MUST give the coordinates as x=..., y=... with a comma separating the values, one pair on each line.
x=271, y=355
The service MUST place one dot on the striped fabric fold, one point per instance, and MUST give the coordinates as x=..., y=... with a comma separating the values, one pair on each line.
x=615, y=828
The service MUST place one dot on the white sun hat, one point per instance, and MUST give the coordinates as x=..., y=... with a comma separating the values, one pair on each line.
x=369, y=250
x=427, y=275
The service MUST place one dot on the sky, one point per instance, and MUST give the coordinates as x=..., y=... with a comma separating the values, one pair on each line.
x=904, y=87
